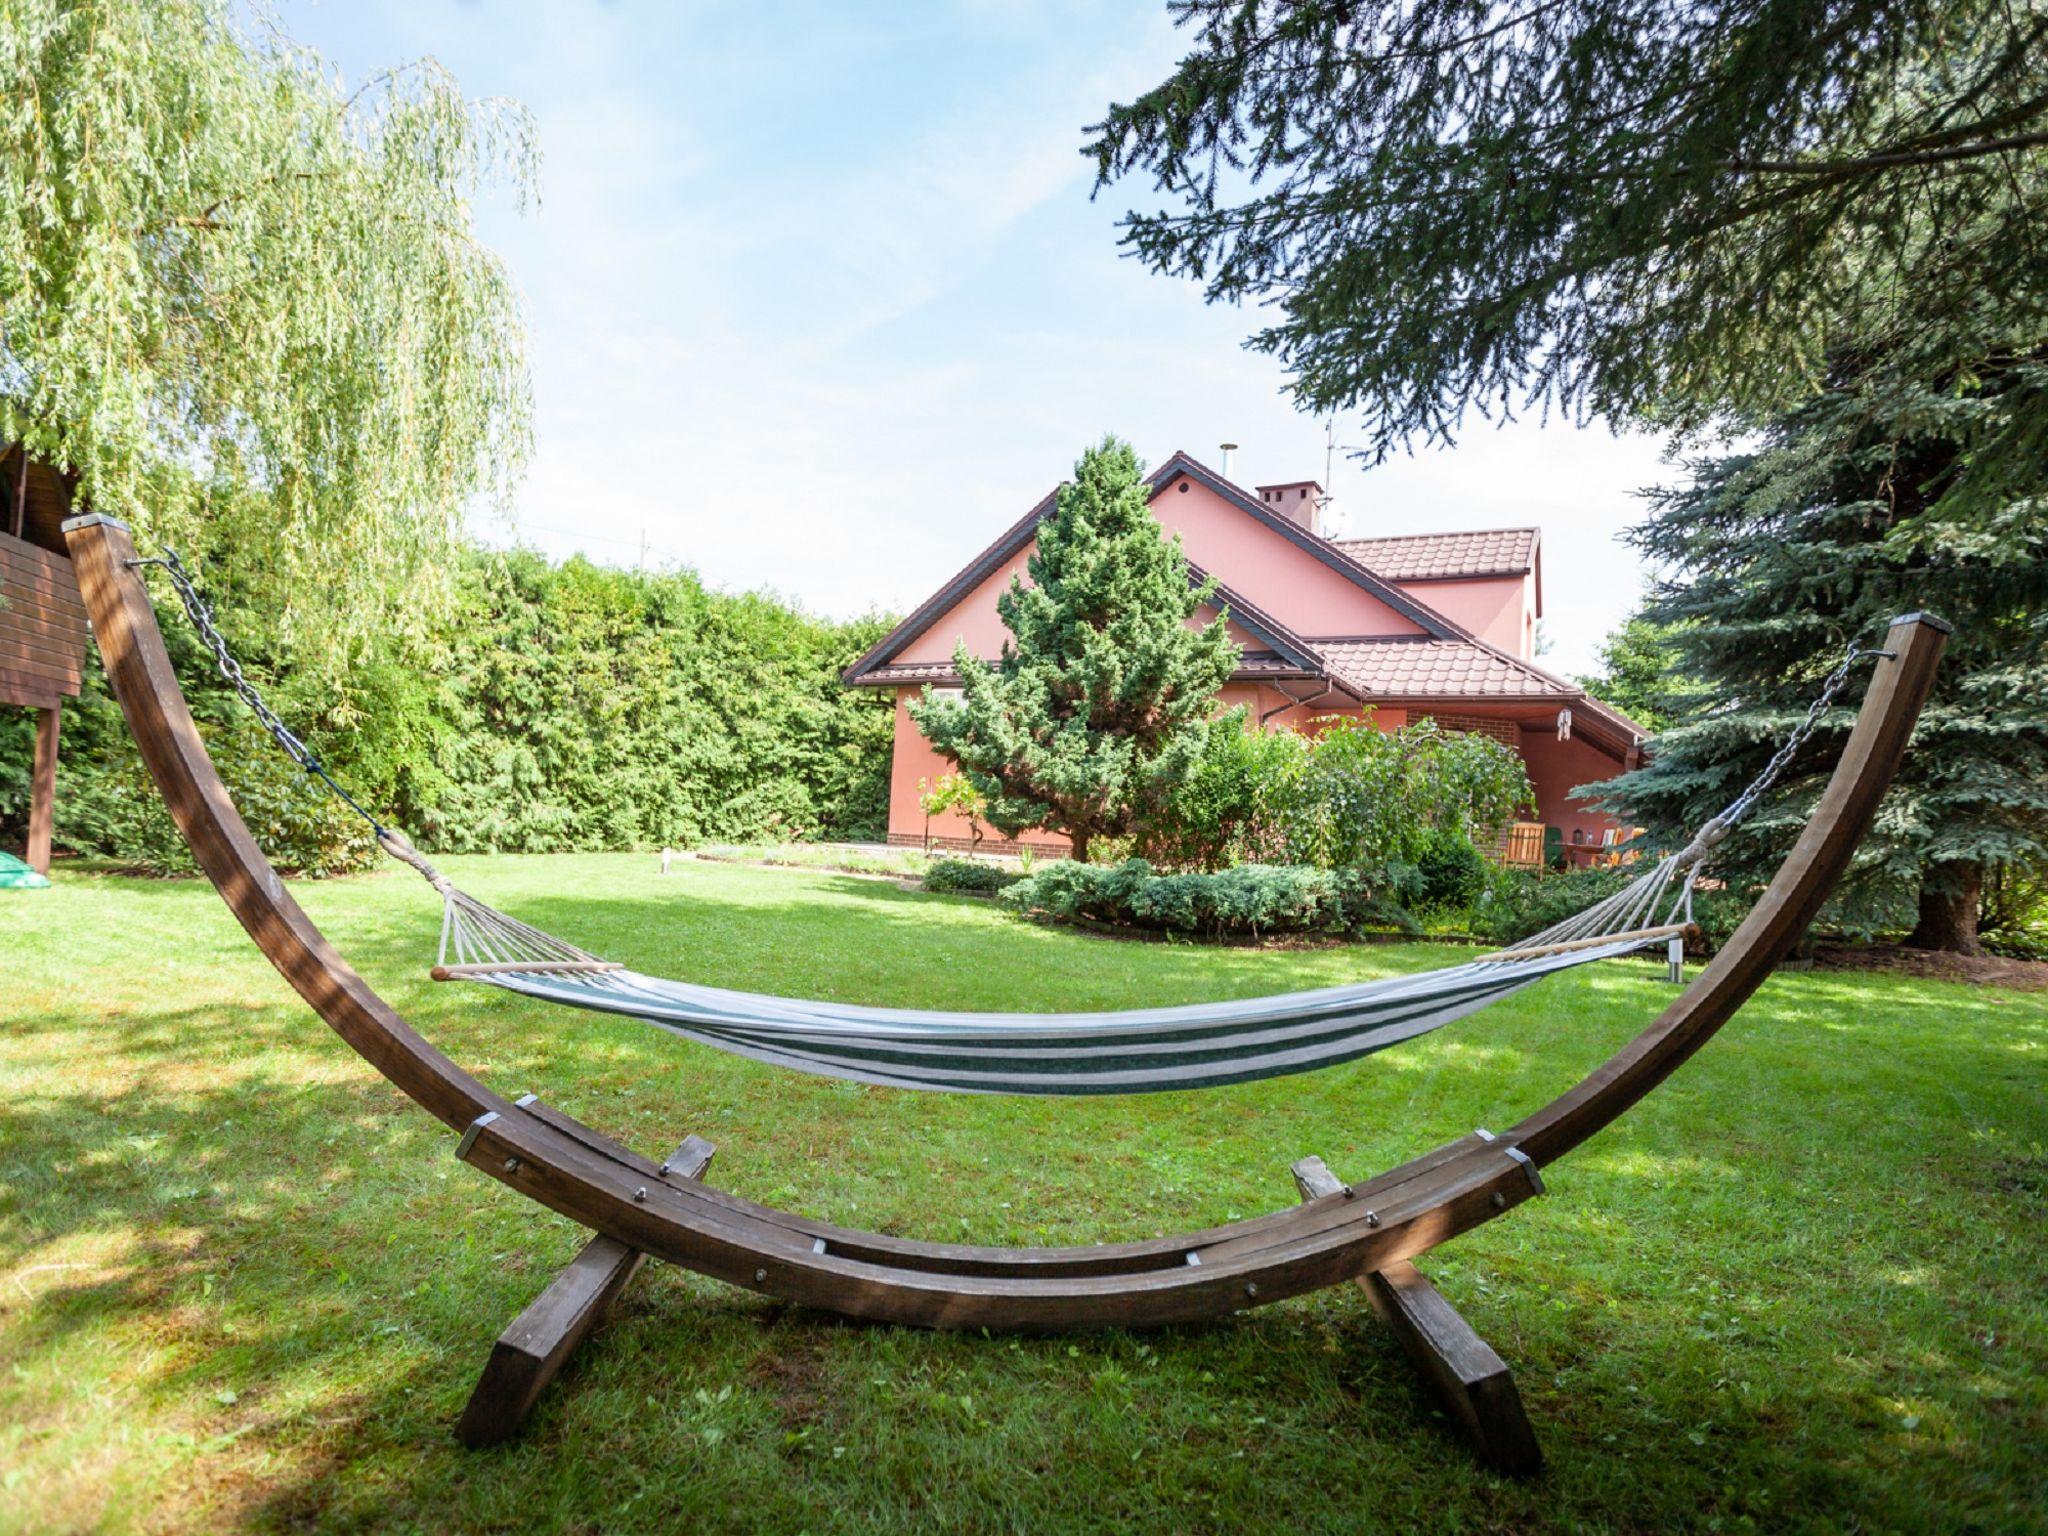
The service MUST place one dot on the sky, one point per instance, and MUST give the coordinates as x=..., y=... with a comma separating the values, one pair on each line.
x=820, y=302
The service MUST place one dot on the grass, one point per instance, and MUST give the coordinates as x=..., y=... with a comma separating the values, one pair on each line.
x=243, y=1284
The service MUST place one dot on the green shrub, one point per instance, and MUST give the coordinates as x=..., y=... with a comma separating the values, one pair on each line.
x=540, y=708
x=1247, y=899
x=114, y=810
x=1452, y=871
x=969, y=877
x=1350, y=794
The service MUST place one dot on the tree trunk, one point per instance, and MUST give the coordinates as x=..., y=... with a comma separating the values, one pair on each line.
x=1080, y=842
x=1949, y=901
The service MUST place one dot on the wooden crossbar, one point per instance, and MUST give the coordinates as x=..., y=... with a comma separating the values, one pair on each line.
x=1467, y=1375
x=1662, y=931
x=537, y=1343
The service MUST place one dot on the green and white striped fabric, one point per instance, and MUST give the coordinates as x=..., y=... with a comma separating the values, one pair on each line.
x=1139, y=1050
x=1143, y=1050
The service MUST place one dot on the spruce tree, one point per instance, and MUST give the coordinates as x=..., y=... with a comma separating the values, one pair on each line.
x=1778, y=558
x=1099, y=705
x=1632, y=209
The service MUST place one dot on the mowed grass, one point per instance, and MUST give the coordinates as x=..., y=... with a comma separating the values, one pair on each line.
x=244, y=1284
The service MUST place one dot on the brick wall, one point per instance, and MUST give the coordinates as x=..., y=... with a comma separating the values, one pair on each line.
x=990, y=844
x=1506, y=732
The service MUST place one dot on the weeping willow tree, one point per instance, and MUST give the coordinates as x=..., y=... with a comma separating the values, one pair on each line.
x=247, y=304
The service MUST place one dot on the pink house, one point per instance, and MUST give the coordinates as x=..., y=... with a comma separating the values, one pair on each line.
x=1440, y=625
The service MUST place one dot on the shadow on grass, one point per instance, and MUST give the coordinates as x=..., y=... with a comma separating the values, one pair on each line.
x=1729, y=1312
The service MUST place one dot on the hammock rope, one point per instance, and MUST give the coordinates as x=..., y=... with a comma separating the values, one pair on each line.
x=1140, y=1050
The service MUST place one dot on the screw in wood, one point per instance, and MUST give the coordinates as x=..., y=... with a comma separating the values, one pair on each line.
x=640, y=1194
x=1372, y=1218
x=1500, y=1201
x=1252, y=1288
x=511, y=1165
x=760, y=1276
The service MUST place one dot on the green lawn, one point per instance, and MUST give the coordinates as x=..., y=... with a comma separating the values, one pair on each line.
x=243, y=1283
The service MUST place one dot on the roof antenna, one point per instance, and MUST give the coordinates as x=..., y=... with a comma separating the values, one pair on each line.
x=1228, y=450
x=1329, y=501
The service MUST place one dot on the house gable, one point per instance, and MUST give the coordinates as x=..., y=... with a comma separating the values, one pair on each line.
x=1490, y=580
x=1277, y=563
x=1273, y=562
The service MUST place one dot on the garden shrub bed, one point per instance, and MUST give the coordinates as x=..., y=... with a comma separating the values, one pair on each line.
x=1247, y=900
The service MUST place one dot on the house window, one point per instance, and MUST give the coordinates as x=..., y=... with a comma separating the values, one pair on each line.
x=949, y=695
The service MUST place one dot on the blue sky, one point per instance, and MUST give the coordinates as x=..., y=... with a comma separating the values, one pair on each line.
x=820, y=302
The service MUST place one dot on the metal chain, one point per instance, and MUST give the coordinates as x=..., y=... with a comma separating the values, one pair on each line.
x=201, y=614
x=1745, y=802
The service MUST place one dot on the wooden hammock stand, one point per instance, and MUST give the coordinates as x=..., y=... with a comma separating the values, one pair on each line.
x=1337, y=1232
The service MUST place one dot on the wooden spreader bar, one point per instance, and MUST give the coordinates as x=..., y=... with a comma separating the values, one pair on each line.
x=645, y=1207
x=523, y=968
x=1645, y=935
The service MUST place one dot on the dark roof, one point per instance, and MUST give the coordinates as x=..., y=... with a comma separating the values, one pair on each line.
x=1285, y=653
x=1404, y=670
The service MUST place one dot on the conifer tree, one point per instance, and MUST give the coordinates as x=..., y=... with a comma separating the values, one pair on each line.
x=1780, y=556
x=1674, y=214
x=1100, y=703
x=1642, y=674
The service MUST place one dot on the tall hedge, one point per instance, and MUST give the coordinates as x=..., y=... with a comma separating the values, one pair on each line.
x=549, y=708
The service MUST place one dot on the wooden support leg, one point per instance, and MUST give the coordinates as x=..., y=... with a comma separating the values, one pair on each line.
x=536, y=1346
x=1471, y=1380
x=42, y=791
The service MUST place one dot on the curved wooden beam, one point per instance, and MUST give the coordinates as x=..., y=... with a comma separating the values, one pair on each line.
x=580, y=1173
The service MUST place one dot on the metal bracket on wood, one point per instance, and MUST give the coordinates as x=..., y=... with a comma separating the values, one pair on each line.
x=1469, y=1378
x=537, y=1344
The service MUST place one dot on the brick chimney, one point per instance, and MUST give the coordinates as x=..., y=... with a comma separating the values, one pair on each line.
x=1299, y=501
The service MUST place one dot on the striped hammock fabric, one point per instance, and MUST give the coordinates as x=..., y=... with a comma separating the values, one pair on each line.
x=1141, y=1050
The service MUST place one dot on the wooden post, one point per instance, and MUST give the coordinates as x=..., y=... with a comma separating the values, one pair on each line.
x=42, y=790
x=1469, y=1378
x=534, y=1348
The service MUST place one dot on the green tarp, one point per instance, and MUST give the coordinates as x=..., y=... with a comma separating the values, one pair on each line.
x=17, y=876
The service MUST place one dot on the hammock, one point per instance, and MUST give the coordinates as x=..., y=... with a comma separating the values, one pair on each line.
x=1142, y=1050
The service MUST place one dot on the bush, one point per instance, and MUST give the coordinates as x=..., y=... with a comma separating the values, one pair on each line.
x=1453, y=874
x=1351, y=794
x=1248, y=899
x=969, y=877
x=116, y=811
x=540, y=708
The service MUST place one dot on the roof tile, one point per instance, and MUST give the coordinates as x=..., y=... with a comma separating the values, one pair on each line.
x=1438, y=556
x=1399, y=667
